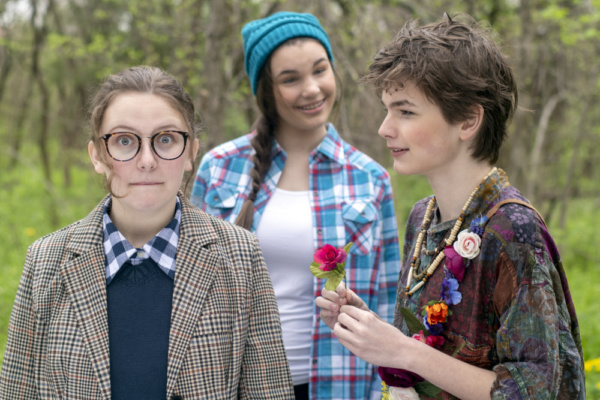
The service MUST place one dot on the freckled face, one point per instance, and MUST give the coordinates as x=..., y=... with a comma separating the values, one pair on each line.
x=418, y=136
x=147, y=182
x=304, y=85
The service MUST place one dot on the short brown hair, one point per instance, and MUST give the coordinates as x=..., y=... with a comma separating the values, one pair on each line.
x=457, y=65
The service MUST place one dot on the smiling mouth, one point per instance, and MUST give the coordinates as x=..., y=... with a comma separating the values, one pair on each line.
x=312, y=106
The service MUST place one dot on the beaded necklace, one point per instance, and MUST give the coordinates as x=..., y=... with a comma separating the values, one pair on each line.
x=437, y=255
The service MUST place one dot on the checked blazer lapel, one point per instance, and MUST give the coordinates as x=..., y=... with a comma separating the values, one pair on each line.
x=197, y=261
x=85, y=279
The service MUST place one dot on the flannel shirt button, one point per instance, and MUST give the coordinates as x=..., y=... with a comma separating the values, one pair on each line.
x=215, y=198
x=320, y=232
x=314, y=361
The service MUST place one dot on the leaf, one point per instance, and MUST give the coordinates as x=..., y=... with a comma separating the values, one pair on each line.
x=412, y=321
x=316, y=271
x=458, y=349
x=427, y=389
x=333, y=281
x=347, y=248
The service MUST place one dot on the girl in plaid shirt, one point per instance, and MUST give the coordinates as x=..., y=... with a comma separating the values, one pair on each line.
x=296, y=184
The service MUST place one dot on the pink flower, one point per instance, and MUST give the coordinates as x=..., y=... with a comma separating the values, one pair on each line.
x=467, y=244
x=420, y=337
x=328, y=257
x=435, y=341
x=455, y=263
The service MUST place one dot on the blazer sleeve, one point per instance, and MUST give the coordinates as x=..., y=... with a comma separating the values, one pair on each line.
x=17, y=379
x=265, y=370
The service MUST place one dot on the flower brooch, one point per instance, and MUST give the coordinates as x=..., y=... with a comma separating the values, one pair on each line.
x=466, y=247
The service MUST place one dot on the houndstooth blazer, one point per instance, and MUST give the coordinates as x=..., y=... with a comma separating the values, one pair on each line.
x=225, y=339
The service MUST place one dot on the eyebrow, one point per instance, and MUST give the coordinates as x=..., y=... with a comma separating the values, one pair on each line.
x=131, y=129
x=402, y=103
x=291, y=71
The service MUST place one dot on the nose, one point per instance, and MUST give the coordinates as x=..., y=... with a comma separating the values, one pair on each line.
x=146, y=159
x=386, y=129
x=311, y=87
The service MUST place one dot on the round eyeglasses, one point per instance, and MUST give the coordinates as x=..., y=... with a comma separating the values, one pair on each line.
x=124, y=146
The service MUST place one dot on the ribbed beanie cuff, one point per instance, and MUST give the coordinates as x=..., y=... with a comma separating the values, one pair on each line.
x=262, y=36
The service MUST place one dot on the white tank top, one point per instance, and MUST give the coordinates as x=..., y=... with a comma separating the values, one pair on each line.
x=285, y=235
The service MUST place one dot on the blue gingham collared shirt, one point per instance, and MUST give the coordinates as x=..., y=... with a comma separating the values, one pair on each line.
x=351, y=200
x=162, y=248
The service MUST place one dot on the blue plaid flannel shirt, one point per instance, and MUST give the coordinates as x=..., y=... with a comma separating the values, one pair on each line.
x=162, y=248
x=351, y=201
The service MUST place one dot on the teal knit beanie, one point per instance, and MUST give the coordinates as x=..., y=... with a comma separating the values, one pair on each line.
x=262, y=36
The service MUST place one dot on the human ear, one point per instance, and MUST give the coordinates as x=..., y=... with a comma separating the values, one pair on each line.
x=471, y=125
x=188, y=163
x=98, y=165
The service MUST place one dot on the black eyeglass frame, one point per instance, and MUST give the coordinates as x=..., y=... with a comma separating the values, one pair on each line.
x=182, y=133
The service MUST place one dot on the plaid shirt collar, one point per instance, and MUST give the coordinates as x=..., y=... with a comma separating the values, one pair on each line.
x=162, y=248
x=331, y=147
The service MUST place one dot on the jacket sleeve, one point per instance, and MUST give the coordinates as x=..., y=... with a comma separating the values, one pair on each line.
x=389, y=258
x=17, y=379
x=538, y=344
x=265, y=370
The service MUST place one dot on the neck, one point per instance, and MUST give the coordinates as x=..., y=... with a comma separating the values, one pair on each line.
x=452, y=190
x=295, y=141
x=138, y=227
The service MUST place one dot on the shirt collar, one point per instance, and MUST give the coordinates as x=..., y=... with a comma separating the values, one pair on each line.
x=162, y=248
x=331, y=146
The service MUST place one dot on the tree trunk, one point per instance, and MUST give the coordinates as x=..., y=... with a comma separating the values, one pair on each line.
x=538, y=145
x=577, y=142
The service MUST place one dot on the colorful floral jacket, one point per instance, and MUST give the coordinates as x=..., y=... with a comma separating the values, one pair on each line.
x=351, y=199
x=516, y=316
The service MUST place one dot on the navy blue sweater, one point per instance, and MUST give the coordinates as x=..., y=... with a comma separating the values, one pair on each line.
x=139, y=317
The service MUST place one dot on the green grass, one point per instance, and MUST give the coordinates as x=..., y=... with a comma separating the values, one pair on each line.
x=26, y=206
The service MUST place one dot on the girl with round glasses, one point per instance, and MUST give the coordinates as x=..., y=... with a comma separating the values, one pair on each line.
x=298, y=185
x=148, y=297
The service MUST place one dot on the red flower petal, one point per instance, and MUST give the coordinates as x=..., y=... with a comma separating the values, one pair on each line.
x=455, y=263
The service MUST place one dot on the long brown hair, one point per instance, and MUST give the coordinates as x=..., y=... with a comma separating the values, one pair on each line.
x=265, y=127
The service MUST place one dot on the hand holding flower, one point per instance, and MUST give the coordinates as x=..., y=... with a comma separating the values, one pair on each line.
x=330, y=303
